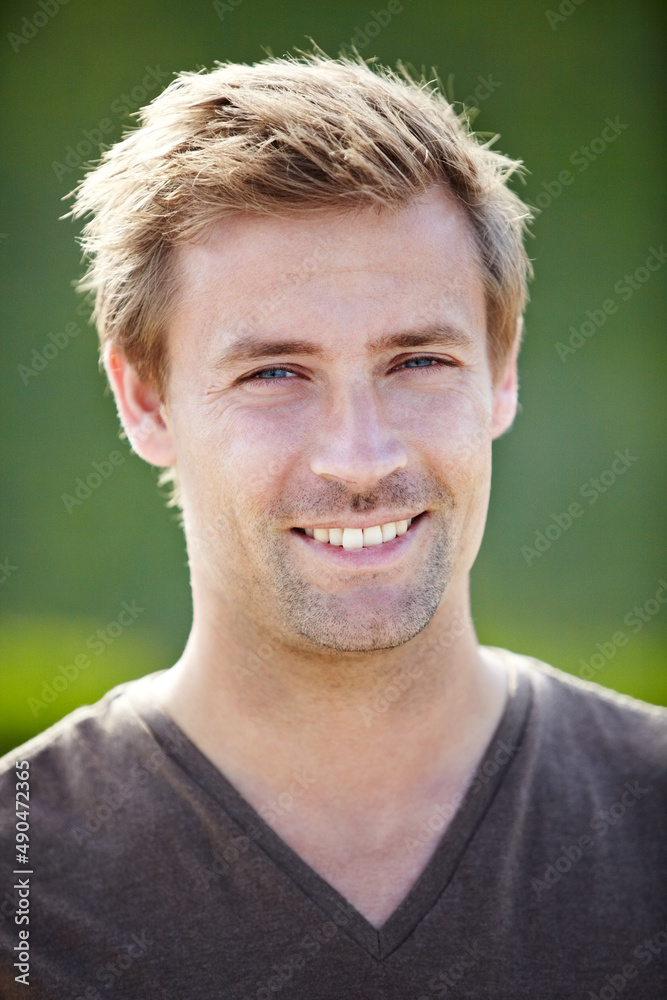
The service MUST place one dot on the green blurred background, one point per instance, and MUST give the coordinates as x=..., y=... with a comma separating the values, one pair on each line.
x=546, y=82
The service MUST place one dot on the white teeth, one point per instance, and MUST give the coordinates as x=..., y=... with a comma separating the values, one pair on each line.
x=373, y=536
x=353, y=538
x=335, y=536
x=358, y=538
x=388, y=531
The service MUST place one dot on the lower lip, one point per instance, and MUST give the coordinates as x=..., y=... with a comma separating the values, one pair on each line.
x=373, y=557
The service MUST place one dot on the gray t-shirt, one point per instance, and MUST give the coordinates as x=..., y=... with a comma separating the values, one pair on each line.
x=149, y=876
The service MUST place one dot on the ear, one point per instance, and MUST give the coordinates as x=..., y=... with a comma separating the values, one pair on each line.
x=506, y=391
x=141, y=411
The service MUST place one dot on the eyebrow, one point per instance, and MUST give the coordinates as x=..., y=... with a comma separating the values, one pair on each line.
x=249, y=348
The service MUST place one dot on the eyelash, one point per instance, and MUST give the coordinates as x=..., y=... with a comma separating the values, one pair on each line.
x=446, y=362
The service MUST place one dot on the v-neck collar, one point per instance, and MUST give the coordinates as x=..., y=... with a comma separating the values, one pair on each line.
x=440, y=869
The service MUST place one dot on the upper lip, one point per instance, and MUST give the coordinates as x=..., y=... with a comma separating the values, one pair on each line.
x=362, y=521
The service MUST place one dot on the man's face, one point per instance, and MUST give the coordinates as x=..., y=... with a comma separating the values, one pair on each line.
x=370, y=402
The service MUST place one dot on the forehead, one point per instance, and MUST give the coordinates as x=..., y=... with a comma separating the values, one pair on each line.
x=347, y=277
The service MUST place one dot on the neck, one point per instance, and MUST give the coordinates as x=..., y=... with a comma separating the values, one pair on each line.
x=265, y=710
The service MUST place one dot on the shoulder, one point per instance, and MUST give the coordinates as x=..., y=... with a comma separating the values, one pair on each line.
x=73, y=732
x=87, y=751
x=579, y=720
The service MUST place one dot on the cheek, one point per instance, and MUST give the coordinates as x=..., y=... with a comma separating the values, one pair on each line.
x=264, y=451
x=451, y=432
x=241, y=461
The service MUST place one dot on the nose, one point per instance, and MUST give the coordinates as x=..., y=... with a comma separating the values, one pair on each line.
x=354, y=444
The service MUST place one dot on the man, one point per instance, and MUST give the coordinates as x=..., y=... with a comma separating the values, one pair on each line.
x=309, y=281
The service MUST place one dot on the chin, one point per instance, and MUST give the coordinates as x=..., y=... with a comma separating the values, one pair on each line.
x=370, y=623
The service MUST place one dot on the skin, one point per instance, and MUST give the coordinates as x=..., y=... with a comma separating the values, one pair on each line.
x=289, y=652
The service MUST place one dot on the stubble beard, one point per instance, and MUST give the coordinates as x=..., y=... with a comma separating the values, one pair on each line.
x=354, y=626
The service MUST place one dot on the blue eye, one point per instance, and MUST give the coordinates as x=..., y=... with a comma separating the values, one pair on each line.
x=269, y=373
x=422, y=362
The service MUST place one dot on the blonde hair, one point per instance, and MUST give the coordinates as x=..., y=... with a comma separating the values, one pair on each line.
x=284, y=135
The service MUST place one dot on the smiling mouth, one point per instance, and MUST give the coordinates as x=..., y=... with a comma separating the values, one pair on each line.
x=360, y=538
